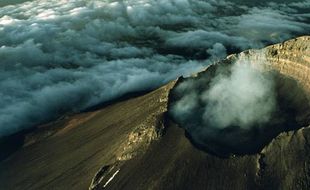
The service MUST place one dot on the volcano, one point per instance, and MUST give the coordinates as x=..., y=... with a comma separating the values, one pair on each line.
x=138, y=143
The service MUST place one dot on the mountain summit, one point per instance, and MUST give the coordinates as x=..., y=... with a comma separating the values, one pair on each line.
x=141, y=143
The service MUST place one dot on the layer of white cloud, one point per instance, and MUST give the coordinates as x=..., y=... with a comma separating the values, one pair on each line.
x=63, y=56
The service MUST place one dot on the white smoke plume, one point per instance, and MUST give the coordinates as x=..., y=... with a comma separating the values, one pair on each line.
x=241, y=95
x=61, y=56
x=244, y=98
x=226, y=105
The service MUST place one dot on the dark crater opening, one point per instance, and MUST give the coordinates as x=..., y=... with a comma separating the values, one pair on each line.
x=292, y=112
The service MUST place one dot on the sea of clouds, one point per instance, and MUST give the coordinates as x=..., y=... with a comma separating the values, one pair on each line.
x=63, y=56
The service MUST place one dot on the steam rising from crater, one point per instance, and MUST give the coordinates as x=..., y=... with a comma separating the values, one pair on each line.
x=245, y=98
x=240, y=96
x=227, y=108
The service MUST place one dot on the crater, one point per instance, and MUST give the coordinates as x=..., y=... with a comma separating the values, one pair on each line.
x=251, y=126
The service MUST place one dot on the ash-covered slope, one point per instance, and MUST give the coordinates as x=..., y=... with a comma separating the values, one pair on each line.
x=73, y=149
x=133, y=144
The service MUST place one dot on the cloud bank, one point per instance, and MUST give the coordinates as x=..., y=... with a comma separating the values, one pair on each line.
x=64, y=56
